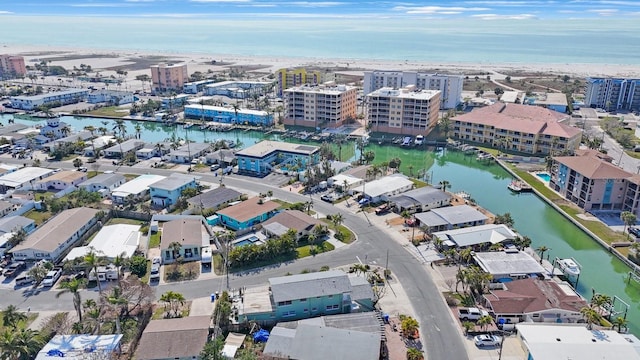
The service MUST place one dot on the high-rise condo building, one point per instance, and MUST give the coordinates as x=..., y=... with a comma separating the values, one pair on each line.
x=406, y=111
x=169, y=77
x=613, y=94
x=326, y=105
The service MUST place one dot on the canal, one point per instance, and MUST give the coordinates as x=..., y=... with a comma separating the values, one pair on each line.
x=485, y=182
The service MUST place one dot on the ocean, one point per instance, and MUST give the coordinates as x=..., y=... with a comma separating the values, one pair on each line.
x=602, y=40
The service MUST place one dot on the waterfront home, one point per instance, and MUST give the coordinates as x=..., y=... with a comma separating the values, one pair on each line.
x=135, y=189
x=533, y=300
x=306, y=295
x=111, y=97
x=260, y=158
x=247, y=213
x=384, y=188
x=111, y=241
x=225, y=115
x=70, y=96
x=103, y=182
x=420, y=200
x=96, y=144
x=613, y=94
x=24, y=177
x=146, y=153
x=515, y=127
x=174, y=101
x=187, y=152
x=166, y=192
x=295, y=220
x=508, y=264
x=476, y=237
x=55, y=129
x=345, y=182
x=320, y=106
x=558, y=342
x=415, y=111
x=179, y=338
x=214, y=199
x=120, y=151
x=61, y=180
x=450, y=217
x=67, y=140
x=351, y=336
x=189, y=233
x=14, y=223
x=56, y=236
x=77, y=347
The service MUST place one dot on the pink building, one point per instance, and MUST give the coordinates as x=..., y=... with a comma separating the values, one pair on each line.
x=169, y=77
x=12, y=66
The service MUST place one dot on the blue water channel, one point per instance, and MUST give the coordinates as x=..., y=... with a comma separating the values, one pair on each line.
x=485, y=182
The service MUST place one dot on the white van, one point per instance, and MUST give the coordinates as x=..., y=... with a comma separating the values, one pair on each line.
x=52, y=277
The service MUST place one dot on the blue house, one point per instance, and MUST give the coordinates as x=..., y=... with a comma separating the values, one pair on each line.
x=167, y=191
x=247, y=213
x=228, y=116
x=261, y=158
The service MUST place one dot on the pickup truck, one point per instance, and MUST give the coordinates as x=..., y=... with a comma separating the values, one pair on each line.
x=14, y=269
x=473, y=314
x=52, y=277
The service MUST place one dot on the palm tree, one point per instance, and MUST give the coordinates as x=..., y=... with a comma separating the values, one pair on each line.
x=119, y=261
x=619, y=322
x=485, y=321
x=590, y=315
x=336, y=220
x=119, y=127
x=541, y=250
x=414, y=354
x=73, y=287
x=173, y=301
x=409, y=326
x=236, y=108
x=11, y=317
x=445, y=184
x=23, y=344
x=116, y=300
x=175, y=248
x=138, y=130
x=629, y=219
x=92, y=260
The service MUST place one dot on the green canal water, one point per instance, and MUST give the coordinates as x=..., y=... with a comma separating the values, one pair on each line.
x=485, y=182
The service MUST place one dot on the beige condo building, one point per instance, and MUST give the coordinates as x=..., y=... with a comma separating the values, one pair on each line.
x=168, y=77
x=406, y=111
x=12, y=66
x=326, y=105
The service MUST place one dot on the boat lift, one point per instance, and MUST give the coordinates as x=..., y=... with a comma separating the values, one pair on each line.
x=573, y=280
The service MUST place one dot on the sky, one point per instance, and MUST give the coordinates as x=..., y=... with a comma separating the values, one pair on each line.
x=426, y=9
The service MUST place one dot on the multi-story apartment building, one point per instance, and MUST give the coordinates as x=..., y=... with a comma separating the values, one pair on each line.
x=12, y=66
x=405, y=111
x=613, y=94
x=523, y=128
x=289, y=78
x=59, y=98
x=595, y=184
x=228, y=116
x=450, y=86
x=326, y=105
x=168, y=77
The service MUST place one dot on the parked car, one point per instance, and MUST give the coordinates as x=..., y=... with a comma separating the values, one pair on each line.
x=52, y=277
x=634, y=231
x=486, y=340
x=382, y=209
x=328, y=198
x=83, y=169
x=472, y=313
x=155, y=272
x=215, y=167
x=25, y=280
x=156, y=260
x=14, y=269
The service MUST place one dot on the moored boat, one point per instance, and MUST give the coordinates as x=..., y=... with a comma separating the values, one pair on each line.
x=569, y=267
x=519, y=186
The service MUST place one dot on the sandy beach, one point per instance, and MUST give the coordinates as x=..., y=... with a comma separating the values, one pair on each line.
x=137, y=63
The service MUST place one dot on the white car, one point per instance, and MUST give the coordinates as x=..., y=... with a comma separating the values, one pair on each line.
x=156, y=260
x=486, y=340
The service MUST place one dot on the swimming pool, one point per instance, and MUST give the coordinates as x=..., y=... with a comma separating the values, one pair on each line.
x=544, y=176
x=247, y=241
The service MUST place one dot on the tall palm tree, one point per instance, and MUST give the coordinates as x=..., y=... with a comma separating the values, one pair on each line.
x=23, y=344
x=138, y=130
x=117, y=301
x=92, y=260
x=620, y=323
x=336, y=220
x=590, y=315
x=629, y=219
x=541, y=250
x=11, y=317
x=445, y=184
x=236, y=108
x=119, y=261
x=73, y=287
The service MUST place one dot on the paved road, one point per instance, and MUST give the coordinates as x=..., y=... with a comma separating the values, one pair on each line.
x=440, y=335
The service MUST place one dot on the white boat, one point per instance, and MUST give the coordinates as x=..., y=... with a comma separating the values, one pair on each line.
x=419, y=140
x=569, y=267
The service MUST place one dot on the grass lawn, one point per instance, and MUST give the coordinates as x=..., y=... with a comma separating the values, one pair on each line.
x=418, y=183
x=154, y=240
x=114, y=221
x=145, y=278
x=159, y=312
x=130, y=177
x=218, y=264
x=113, y=111
x=347, y=236
x=38, y=216
x=305, y=251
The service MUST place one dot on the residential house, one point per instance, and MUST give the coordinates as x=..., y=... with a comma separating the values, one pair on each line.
x=67, y=140
x=295, y=220
x=80, y=347
x=352, y=336
x=326, y=105
x=59, y=98
x=188, y=152
x=515, y=127
x=420, y=200
x=561, y=342
x=248, y=213
x=55, y=129
x=166, y=192
x=534, y=300
x=24, y=177
x=5, y=208
x=222, y=157
x=413, y=111
x=189, y=233
x=111, y=241
x=384, y=188
x=14, y=223
x=214, y=199
x=345, y=182
x=450, y=217
x=180, y=338
x=103, y=182
x=508, y=264
x=225, y=115
x=477, y=237
x=136, y=189
x=307, y=295
x=61, y=180
x=121, y=150
x=56, y=236
x=260, y=158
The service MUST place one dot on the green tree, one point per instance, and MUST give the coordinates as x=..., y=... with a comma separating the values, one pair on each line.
x=116, y=299
x=73, y=287
x=22, y=344
x=628, y=218
x=541, y=250
x=444, y=184
x=620, y=323
x=77, y=162
x=138, y=266
x=414, y=354
x=409, y=326
x=11, y=317
x=336, y=220
x=173, y=302
x=505, y=219
x=213, y=350
x=92, y=260
x=590, y=315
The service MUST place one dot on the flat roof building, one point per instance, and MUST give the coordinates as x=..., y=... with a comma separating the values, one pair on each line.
x=259, y=159
x=236, y=89
x=451, y=217
x=613, y=93
x=70, y=96
x=111, y=241
x=167, y=77
x=327, y=105
x=136, y=187
x=228, y=115
x=12, y=66
x=476, y=235
x=508, y=264
x=288, y=78
x=405, y=111
x=80, y=347
x=384, y=188
x=22, y=178
x=214, y=199
x=420, y=199
x=248, y=213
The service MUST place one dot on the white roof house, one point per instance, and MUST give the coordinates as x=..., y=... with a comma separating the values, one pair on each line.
x=475, y=235
x=385, y=187
x=339, y=180
x=561, y=342
x=23, y=177
x=80, y=347
x=111, y=241
x=507, y=264
x=135, y=187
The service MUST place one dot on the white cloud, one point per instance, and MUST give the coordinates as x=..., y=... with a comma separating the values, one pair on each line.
x=2, y=12
x=221, y=1
x=102, y=5
x=603, y=12
x=313, y=4
x=509, y=3
x=437, y=9
x=504, y=17
x=140, y=1
x=606, y=2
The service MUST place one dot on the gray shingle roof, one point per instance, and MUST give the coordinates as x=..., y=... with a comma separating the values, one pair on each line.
x=309, y=285
x=11, y=223
x=106, y=180
x=451, y=215
x=214, y=198
x=421, y=196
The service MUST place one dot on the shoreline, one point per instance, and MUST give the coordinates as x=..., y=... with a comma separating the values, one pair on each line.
x=202, y=60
